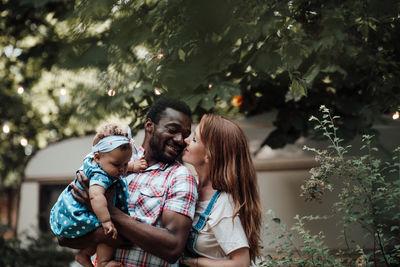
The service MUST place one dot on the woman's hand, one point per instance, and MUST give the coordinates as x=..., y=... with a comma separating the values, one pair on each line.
x=82, y=196
x=190, y=262
x=237, y=258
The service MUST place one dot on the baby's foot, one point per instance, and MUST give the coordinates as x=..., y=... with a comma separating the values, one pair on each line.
x=110, y=264
x=84, y=260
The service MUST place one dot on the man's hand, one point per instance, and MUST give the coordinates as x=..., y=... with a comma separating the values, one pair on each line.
x=82, y=196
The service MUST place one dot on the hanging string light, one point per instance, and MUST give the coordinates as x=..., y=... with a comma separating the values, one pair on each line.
x=63, y=91
x=20, y=90
x=210, y=86
x=157, y=91
x=24, y=141
x=28, y=150
x=63, y=95
x=111, y=92
x=396, y=115
x=6, y=128
x=160, y=56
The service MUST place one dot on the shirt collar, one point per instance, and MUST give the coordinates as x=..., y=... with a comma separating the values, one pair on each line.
x=159, y=165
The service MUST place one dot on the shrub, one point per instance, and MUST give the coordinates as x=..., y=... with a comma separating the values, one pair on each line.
x=369, y=195
x=42, y=251
x=310, y=252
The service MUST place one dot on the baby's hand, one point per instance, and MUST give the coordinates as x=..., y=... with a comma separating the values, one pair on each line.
x=138, y=165
x=109, y=229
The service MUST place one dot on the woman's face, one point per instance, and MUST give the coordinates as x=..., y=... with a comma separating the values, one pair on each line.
x=195, y=151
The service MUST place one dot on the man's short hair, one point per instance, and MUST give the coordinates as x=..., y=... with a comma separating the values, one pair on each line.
x=165, y=102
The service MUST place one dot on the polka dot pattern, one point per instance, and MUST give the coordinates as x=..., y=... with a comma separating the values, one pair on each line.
x=69, y=218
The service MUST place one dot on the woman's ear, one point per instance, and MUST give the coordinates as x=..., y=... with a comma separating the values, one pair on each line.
x=206, y=159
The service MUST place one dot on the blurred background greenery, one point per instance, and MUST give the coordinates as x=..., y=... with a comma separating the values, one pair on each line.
x=67, y=65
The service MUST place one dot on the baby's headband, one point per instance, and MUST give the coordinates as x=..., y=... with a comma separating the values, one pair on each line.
x=110, y=143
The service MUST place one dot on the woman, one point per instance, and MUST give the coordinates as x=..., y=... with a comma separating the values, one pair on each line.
x=228, y=231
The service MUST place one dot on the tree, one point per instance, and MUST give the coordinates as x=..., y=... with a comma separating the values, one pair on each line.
x=289, y=56
x=30, y=42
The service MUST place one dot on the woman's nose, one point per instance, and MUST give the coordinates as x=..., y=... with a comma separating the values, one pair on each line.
x=187, y=140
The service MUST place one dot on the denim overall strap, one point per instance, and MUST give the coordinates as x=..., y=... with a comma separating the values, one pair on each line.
x=202, y=220
x=204, y=216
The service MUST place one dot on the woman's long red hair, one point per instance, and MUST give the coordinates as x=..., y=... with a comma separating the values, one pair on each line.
x=232, y=171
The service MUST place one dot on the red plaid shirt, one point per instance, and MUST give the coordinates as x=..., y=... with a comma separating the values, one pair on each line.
x=160, y=187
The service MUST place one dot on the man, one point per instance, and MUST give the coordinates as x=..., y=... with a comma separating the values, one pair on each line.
x=162, y=197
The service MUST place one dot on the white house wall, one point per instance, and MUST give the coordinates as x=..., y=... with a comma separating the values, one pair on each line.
x=28, y=212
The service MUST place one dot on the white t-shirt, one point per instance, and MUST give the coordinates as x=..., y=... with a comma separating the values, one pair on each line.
x=220, y=235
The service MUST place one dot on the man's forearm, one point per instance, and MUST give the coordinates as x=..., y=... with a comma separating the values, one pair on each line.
x=91, y=239
x=166, y=243
x=80, y=242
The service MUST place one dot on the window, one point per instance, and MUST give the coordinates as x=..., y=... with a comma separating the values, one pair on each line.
x=48, y=197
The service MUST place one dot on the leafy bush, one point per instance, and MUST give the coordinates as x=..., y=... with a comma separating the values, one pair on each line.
x=39, y=252
x=310, y=252
x=369, y=195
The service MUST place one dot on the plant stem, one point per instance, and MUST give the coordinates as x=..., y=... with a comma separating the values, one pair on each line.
x=382, y=249
x=375, y=251
x=345, y=238
x=336, y=144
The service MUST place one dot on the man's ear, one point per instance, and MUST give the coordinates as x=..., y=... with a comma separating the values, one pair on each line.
x=96, y=157
x=149, y=126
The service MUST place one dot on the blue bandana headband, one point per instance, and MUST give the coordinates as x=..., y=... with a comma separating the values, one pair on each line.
x=110, y=143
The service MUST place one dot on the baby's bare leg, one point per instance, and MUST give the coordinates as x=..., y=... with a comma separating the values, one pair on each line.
x=83, y=256
x=105, y=256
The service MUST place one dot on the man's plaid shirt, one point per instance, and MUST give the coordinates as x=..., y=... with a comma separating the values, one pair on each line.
x=160, y=187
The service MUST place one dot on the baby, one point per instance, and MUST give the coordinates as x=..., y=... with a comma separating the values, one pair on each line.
x=109, y=160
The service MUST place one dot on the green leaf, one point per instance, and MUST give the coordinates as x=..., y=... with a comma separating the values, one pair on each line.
x=181, y=55
x=312, y=72
x=297, y=88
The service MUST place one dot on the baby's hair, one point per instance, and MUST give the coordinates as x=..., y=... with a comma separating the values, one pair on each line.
x=111, y=129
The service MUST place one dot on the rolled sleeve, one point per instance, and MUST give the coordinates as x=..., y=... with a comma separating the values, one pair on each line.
x=182, y=193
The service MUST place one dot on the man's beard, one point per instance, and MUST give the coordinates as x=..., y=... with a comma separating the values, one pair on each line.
x=159, y=154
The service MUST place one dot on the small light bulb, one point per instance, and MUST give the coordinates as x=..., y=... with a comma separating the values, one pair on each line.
x=157, y=91
x=28, y=150
x=160, y=56
x=6, y=128
x=63, y=91
x=210, y=86
x=396, y=115
x=20, y=90
x=111, y=92
x=24, y=141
